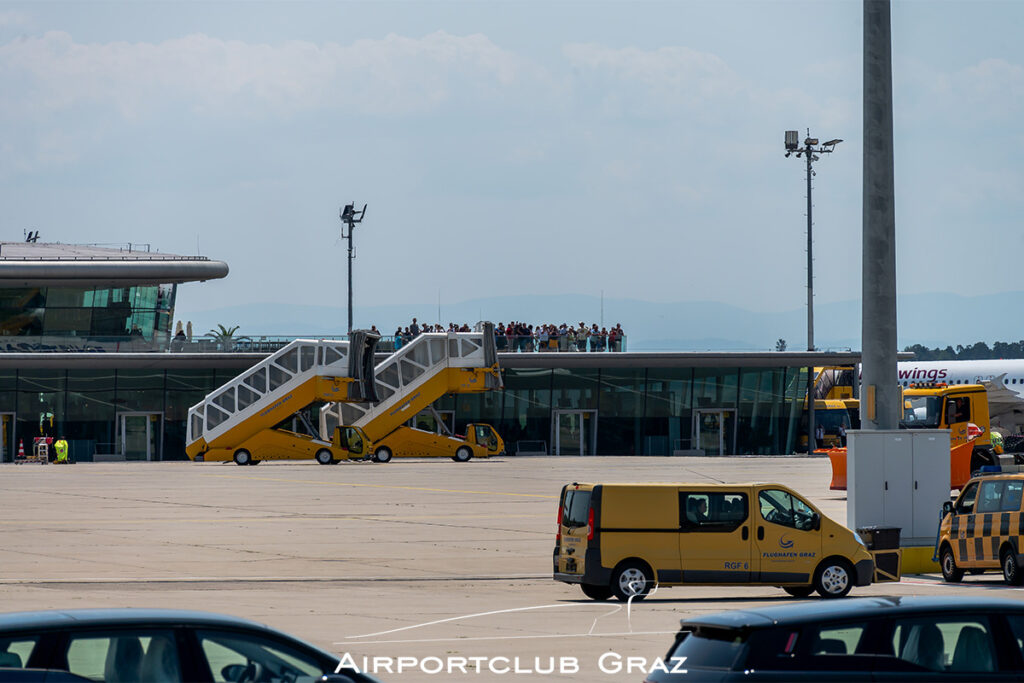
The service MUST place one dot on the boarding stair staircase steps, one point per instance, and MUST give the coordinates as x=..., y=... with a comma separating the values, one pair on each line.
x=280, y=385
x=419, y=373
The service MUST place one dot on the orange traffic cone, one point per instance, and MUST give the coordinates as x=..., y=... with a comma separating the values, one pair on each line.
x=21, y=449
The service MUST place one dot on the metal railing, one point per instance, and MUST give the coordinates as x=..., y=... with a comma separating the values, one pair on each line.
x=269, y=344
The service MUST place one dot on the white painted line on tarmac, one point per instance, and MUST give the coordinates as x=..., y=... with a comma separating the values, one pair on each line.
x=266, y=579
x=471, y=616
x=547, y=635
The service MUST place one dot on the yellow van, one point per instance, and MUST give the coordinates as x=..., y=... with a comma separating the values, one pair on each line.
x=984, y=529
x=625, y=539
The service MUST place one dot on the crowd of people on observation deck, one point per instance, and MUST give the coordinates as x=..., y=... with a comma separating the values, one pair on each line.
x=521, y=337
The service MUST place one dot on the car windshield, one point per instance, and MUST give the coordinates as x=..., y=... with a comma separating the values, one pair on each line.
x=921, y=412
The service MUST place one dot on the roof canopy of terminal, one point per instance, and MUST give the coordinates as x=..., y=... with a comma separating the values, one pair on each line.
x=25, y=264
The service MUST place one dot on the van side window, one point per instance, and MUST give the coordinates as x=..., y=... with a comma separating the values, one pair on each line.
x=784, y=509
x=1012, y=494
x=990, y=495
x=711, y=511
x=965, y=504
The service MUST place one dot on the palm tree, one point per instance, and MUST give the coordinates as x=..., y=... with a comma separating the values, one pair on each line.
x=224, y=336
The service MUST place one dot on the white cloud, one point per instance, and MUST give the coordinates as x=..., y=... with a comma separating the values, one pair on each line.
x=391, y=76
x=13, y=18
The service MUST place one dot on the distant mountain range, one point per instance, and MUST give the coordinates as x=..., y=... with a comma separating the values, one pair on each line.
x=934, y=320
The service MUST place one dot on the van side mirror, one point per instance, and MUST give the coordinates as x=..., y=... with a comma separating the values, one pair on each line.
x=816, y=521
x=947, y=508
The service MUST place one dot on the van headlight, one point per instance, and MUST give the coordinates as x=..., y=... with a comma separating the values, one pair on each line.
x=860, y=540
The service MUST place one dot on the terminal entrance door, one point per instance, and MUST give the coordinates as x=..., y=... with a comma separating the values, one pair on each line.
x=709, y=430
x=575, y=432
x=7, y=448
x=140, y=435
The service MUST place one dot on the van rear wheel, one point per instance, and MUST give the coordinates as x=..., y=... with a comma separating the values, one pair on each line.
x=324, y=457
x=799, y=591
x=382, y=454
x=632, y=580
x=595, y=592
x=242, y=457
x=463, y=454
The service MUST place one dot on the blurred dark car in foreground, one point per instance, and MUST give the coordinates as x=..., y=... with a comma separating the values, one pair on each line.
x=162, y=646
x=863, y=639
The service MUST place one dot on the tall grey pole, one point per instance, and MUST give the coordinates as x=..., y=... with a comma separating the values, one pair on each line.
x=811, y=440
x=351, y=228
x=880, y=395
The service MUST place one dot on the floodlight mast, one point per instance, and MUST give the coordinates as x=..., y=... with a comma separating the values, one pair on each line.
x=349, y=216
x=811, y=149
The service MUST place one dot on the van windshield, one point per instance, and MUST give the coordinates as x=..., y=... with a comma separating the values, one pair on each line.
x=575, y=508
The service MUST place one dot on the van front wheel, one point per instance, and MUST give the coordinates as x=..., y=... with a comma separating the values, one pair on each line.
x=595, y=592
x=632, y=580
x=947, y=562
x=834, y=578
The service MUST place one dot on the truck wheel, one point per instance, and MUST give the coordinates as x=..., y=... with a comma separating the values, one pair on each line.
x=1012, y=574
x=383, y=454
x=324, y=457
x=463, y=454
x=799, y=591
x=834, y=578
x=632, y=580
x=595, y=592
x=242, y=457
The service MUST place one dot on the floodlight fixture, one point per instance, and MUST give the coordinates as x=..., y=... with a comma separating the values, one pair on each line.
x=810, y=152
x=349, y=216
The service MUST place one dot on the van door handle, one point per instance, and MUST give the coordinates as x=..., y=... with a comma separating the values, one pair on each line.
x=760, y=533
x=746, y=533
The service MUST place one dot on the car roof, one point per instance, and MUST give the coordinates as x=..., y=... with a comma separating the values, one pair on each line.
x=795, y=614
x=119, y=616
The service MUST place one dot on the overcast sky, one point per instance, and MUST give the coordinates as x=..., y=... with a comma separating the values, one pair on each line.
x=523, y=148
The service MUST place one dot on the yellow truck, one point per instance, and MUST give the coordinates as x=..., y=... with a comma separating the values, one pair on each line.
x=960, y=408
x=626, y=539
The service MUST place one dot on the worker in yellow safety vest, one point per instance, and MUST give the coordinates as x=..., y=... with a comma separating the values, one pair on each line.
x=61, y=446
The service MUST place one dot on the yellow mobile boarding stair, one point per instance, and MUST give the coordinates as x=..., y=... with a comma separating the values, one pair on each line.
x=410, y=380
x=242, y=420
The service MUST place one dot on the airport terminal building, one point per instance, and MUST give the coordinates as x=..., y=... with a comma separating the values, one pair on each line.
x=87, y=351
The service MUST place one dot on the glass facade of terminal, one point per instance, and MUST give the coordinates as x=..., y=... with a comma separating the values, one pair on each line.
x=140, y=414
x=33, y=316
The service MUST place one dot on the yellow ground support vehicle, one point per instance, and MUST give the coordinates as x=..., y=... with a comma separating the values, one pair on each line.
x=247, y=419
x=940, y=406
x=984, y=529
x=625, y=539
x=409, y=381
x=480, y=441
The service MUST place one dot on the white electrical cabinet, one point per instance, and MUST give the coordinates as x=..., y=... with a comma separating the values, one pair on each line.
x=898, y=478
